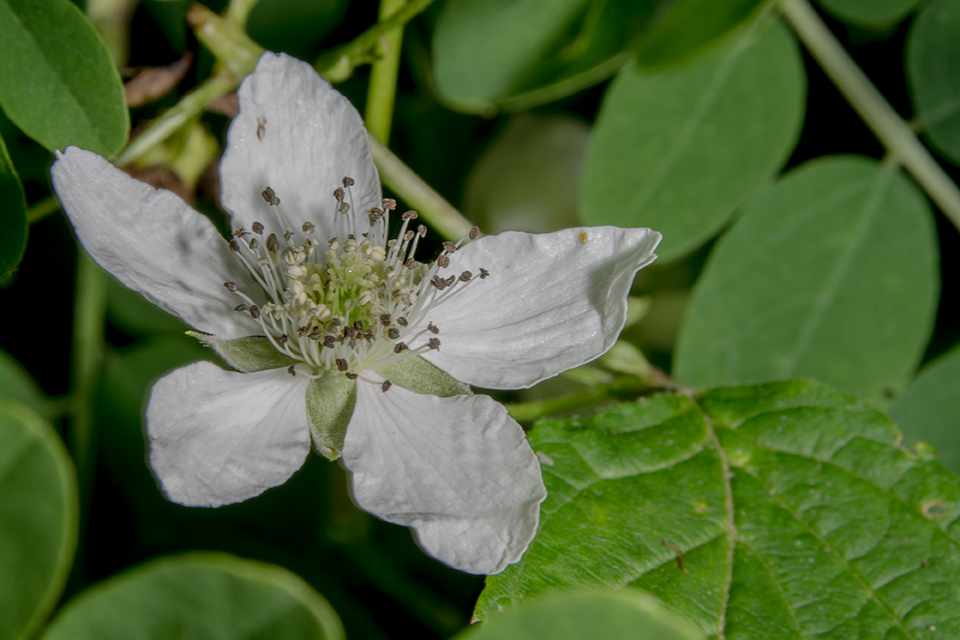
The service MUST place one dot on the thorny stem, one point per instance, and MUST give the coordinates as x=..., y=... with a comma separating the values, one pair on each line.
x=624, y=386
x=895, y=134
x=383, y=76
x=417, y=194
x=89, y=313
x=338, y=64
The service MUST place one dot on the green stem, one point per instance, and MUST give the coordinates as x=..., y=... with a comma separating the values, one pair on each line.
x=383, y=76
x=42, y=208
x=338, y=64
x=529, y=411
x=887, y=125
x=188, y=108
x=417, y=194
x=89, y=313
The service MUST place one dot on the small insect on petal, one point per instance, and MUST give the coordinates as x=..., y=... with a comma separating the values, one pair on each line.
x=386, y=385
x=583, y=237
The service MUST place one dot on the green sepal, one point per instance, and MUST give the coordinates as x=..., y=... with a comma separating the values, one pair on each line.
x=330, y=403
x=417, y=375
x=249, y=354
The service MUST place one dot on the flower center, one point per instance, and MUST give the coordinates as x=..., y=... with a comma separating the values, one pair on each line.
x=357, y=303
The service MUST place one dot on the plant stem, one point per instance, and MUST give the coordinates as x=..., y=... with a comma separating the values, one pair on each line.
x=189, y=107
x=383, y=76
x=89, y=311
x=338, y=64
x=887, y=125
x=42, y=208
x=417, y=194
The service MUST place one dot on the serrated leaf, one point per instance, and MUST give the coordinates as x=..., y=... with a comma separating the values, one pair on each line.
x=832, y=274
x=610, y=615
x=200, y=595
x=57, y=82
x=680, y=149
x=932, y=55
x=13, y=215
x=492, y=54
x=690, y=26
x=38, y=519
x=875, y=14
x=796, y=512
x=929, y=409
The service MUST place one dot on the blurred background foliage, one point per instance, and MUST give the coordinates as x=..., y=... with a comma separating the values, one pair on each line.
x=796, y=245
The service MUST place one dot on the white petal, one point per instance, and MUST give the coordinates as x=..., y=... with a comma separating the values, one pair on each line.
x=552, y=302
x=297, y=135
x=218, y=437
x=152, y=242
x=458, y=470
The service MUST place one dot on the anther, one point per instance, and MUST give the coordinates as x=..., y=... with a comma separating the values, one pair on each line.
x=348, y=182
x=389, y=204
x=385, y=319
x=443, y=261
x=351, y=376
x=287, y=235
x=434, y=343
x=483, y=273
x=283, y=339
x=302, y=331
x=239, y=233
x=408, y=236
x=255, y=312
x=411, y=264
x=409, y=215
x=231, y=286
x=421, y=231
x=308, y=228
x=329, y=342
x=438, y=282
x=393, y=333
x=272, y=243
x=240, y=307
x=234, y=246
x=292, y=370
x=253, y=244
x=315, y=334
x=399, y=347
x=433, y=328
x=270, y=196
x=474, y=233
x=402, y=321
x=343, y=208
x=358, y=325
x=386, y=385
x=449, y=247
x=338, y=194
x=449, y=281
x=349, y=332
x=368, y=335
x=341, y=364
x=257, y=228
x=465, y=276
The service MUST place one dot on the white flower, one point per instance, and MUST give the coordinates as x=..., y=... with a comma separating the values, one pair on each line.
x=341, y=337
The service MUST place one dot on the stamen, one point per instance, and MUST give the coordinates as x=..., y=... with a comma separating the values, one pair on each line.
x=257, y=228
x=434, y=343
x=433, y=329
x=270, y=196
x=341, y=364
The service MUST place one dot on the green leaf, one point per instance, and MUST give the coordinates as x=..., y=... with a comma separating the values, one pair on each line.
x=679, y=150
x=832, y=274
x=13, y=209
x=875, y=14
x=247, y=354
x=16, y=383
x=505, y=54
x=795, y=509
x=38, y=519
x=933, y=53
x=57, y=82
x=200, y=595
x=527, y=179
x=690, y=26
x=928, y=409
x=330, y=404
x=610, y=615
